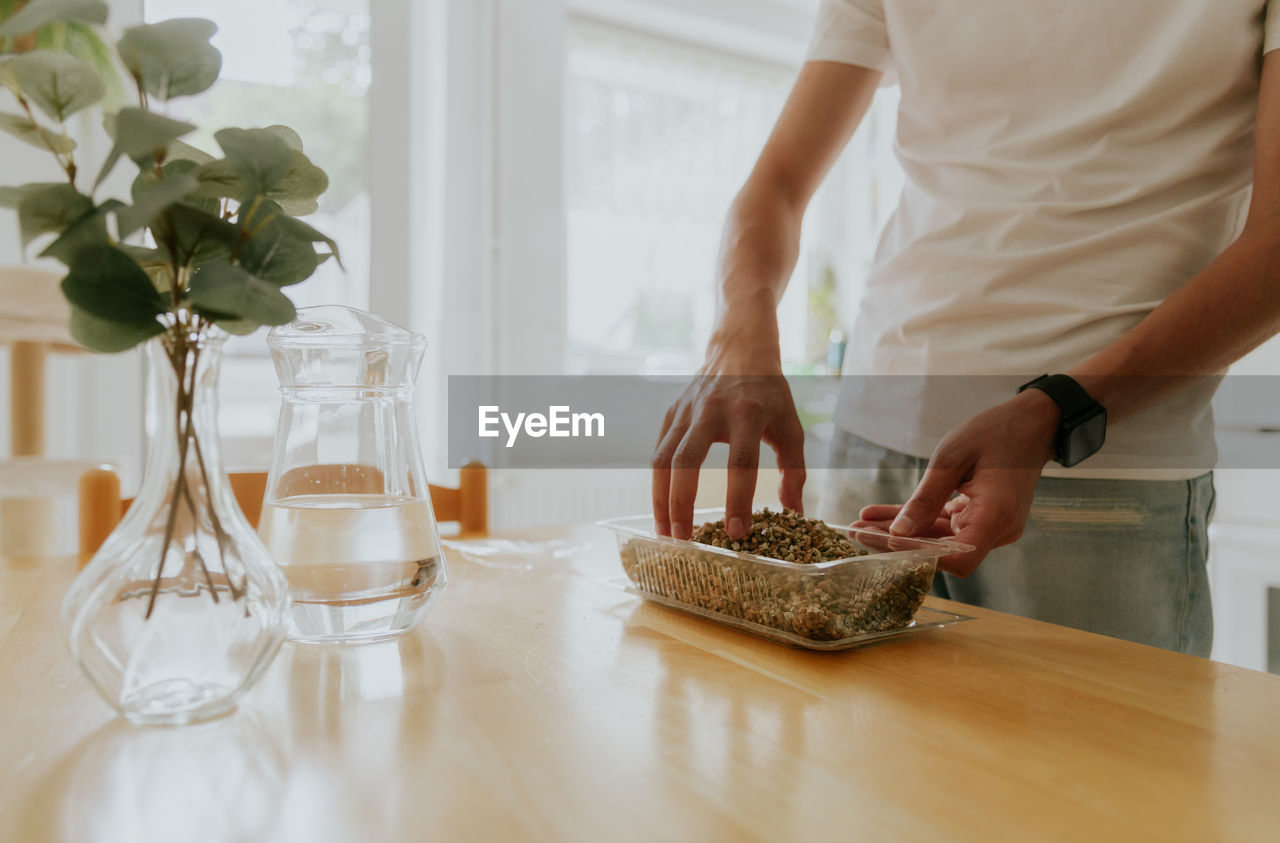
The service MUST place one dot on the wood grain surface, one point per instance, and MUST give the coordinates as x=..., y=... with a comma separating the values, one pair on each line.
x=539, y=702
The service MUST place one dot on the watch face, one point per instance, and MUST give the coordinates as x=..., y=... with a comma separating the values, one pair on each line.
x=1085, y=438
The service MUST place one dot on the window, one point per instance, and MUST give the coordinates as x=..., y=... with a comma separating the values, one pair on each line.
x=659, y=137
x=306, y=64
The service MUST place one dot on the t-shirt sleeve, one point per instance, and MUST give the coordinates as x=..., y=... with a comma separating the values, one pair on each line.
x=1271, y=27
x=854, y=32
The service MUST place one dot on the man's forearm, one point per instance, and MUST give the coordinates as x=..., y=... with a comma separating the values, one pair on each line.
x=1217, y=317
x=758, y=253
x=761, y=239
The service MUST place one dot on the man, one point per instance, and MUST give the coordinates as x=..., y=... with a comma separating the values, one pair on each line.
x=1078, y=202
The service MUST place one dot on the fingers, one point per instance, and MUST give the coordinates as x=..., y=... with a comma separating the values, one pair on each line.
x=940, y=529
x=964, y=564
x=673, y=429
x=956, y=505
x=988, y=521
x=886, y=512
x=879, y=512
x=928, y=499
x=685, y=462
x=668, y=421
x=742, y=412
x=788, y=443
x=744, y=463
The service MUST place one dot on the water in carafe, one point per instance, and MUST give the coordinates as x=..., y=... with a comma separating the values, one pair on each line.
x=347, y=513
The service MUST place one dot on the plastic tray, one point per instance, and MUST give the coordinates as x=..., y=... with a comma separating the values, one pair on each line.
x=926, y=618
x=825, y=606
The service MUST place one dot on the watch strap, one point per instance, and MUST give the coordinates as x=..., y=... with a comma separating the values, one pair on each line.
x=1067, y=393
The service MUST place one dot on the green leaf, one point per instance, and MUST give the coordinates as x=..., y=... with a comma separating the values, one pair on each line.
x=301, y=186
x=257, y=156
x=180, y=151
x=219, y=180
x=239, y=327
x=178, y=168
x=173, y=169
x=24, y=129
x=295, y=228
x=83, y=42
x=59, y=84
x=144, y=135
x=149, y=201
x=209, y=206
x=11, y=196
x=141, y=135
x=144, y=256
x=89, y=230
x=188, y=168
x=172, y=58
x=98, y=334
x=298, y=207
x=291, y=139
x=277, y=250
x=153, y=262
x=191, y=236
x=221, y=289
x=295, y=191
x=107, y=283
x=37, y=13
x=51, y=208
x=302, y=229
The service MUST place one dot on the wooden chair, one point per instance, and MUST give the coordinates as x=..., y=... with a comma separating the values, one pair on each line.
x=34, y=492
x=33, y=323
x=101, y=506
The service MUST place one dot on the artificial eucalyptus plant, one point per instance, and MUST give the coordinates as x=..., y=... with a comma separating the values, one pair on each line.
x=71, y=35
x=202, y=241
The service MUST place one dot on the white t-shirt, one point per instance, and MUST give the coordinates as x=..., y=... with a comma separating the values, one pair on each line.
x=1069, y=164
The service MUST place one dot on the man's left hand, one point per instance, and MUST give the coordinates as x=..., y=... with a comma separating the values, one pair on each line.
x=980, y=481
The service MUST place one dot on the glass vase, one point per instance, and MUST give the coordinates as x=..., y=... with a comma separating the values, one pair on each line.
x=182, y=608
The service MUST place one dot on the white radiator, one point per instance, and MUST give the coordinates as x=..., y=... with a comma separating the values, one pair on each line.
x=535, y=497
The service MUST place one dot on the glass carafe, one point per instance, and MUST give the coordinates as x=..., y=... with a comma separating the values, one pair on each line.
x=347, y=513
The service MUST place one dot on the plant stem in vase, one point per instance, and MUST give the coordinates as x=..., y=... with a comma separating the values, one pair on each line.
x=182, y=607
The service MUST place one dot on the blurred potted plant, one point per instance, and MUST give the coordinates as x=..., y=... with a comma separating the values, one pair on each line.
x=182, y=607
x=73, y=34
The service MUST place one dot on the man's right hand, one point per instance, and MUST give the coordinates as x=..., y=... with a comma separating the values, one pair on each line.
x=739, y=397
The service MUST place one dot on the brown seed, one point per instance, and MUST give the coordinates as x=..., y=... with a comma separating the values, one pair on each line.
x=837, y=603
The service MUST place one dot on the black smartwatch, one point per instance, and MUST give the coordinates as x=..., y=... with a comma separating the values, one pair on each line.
x=1084, y=421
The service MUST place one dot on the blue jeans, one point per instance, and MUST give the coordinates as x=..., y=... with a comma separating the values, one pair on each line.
x=1124, y=558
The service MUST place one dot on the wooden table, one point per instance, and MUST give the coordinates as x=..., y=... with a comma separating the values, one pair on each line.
x=545, y=704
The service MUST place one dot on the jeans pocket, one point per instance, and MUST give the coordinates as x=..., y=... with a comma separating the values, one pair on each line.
x=1088, y=513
